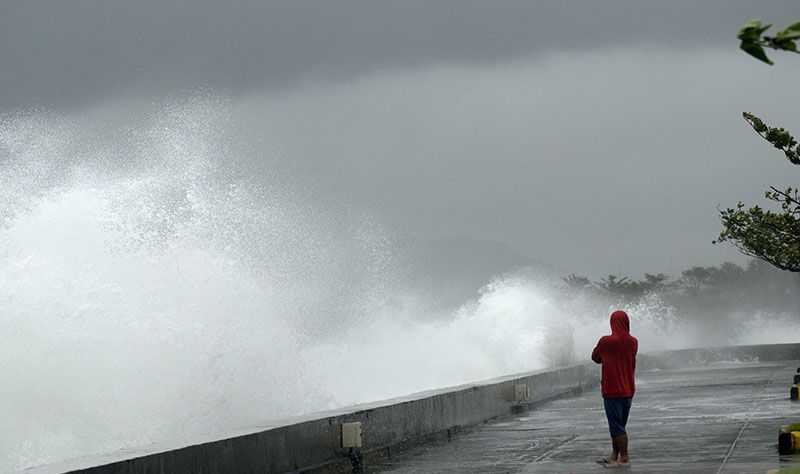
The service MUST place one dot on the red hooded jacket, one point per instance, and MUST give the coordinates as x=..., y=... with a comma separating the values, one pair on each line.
x=617, y=353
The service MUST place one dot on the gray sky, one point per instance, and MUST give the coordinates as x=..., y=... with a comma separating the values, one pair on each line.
x=596, y=138
x=68, y=53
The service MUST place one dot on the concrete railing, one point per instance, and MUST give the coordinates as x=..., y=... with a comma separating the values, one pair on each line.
x=314, y=443
x=688, y=357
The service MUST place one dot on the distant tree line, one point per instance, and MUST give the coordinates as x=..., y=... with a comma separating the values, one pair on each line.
x=702, y=291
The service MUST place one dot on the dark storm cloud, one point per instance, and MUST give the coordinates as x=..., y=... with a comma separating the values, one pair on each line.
x=65, y=53
x=581, y=133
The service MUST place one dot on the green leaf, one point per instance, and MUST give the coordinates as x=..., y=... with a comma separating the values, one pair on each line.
x=756, y=122
x=782, y=43
x=756, y=51
x=793, y=27
x=752, y=30
x=788, y=35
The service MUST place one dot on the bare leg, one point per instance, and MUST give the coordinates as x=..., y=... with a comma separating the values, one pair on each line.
x=614, y=450
x=621, y=443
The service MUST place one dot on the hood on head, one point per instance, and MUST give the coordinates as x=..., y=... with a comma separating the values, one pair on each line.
x=620, y=324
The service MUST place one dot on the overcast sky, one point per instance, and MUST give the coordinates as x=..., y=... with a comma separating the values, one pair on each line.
x=596, y=136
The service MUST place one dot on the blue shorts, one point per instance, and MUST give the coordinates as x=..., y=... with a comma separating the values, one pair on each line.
x=617, y=410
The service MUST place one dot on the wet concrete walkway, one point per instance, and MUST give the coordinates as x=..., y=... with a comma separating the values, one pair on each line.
x=723, y=418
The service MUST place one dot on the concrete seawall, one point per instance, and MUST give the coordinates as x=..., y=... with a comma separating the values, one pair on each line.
x=313, y=443
x=682, y=358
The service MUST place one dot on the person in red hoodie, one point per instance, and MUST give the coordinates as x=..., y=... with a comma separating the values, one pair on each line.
x=617, y=353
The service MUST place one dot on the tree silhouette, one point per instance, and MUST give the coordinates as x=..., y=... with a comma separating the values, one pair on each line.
x=770, y=235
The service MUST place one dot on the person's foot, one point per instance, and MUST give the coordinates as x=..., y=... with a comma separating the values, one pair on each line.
x=623, y=462
x=607, y=460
